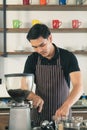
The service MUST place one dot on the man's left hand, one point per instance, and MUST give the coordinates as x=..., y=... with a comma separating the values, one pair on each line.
x=63, y=111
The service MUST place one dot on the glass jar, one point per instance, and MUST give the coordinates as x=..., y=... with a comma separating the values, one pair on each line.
x=74, y=123
x=59, y=123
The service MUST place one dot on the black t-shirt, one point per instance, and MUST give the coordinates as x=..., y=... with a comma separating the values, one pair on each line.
x=68, y=61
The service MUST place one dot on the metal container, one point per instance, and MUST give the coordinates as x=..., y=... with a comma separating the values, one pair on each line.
x=18, y=85
x=74, y=123
x=37, y=128
x=68, y=124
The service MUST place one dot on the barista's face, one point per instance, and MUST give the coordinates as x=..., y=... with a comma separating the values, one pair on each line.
x=43, y=46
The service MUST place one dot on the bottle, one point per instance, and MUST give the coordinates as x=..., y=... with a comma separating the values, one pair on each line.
x=59, y=125
x=84, y=101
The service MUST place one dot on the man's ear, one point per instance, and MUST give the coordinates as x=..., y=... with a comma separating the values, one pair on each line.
x=50, y=38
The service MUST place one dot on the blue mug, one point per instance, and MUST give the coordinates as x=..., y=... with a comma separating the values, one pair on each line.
x=62, y=2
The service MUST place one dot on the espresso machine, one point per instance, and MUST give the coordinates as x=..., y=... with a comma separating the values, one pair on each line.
x=18, y=86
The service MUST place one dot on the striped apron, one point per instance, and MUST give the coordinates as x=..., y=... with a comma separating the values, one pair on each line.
x=52, y=87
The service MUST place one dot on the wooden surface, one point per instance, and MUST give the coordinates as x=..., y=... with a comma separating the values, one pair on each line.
x=80, y=112
x=48, y=7
x=4, y=119
x=4, y=116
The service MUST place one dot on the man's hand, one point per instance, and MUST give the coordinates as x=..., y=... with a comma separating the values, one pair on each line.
x=37, y=101
x=63, y=111
x=77, y=90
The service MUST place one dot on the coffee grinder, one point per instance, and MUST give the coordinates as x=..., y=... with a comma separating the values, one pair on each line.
x=18, y=87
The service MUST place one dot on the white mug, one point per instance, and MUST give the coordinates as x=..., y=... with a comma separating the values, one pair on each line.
x=52, y=2
x=79, y=2
x=71, y=2
x=85, y=2
x=35, y=2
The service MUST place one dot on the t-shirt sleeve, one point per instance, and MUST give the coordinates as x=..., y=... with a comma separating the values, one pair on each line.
x=73, y=63
x=30, y=63
x=69, y=62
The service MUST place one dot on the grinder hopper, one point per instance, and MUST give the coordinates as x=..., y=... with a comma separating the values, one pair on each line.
x=18, y=87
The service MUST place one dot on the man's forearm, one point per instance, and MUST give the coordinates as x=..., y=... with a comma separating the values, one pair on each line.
x=74, y=96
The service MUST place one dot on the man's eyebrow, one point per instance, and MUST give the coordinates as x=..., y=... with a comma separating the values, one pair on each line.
x=38, y=45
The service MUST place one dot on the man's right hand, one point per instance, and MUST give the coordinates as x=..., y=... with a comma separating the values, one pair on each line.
x=37, y=101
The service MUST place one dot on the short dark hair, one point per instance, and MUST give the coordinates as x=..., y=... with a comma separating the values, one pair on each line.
x=38, y=30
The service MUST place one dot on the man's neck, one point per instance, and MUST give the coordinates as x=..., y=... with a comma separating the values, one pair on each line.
x=52, y=53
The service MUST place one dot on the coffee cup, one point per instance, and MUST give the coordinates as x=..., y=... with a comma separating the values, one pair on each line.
x=16, y=23
x=56, y=23
x=85, y=2
x=43, y=2
x=76, y=23
x=71, y=2
x=26, y=2
x=35, y=2
x=35, y=21
x=52, y=2
x=79, y=2
x=62, y=2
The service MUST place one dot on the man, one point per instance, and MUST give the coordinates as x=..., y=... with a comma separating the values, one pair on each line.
x=53, y=68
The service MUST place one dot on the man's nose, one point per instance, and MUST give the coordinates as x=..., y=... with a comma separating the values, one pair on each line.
x=39, y=49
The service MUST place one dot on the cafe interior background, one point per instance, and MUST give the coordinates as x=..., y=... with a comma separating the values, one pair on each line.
x=18, y=41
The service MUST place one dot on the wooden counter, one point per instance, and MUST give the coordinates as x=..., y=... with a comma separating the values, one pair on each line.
x=4, y=118
x=80, y=111
x=4, y=115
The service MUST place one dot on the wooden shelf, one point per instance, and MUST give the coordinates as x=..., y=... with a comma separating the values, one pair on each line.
x=82, y=52
x=17, y=30
x=44, y=8
x=70, y=30
x=1, y=29
x=48, y=7
x=26, y=53
x=19, y=53
x=60, y=30
x=1, y=7
x=1, y=53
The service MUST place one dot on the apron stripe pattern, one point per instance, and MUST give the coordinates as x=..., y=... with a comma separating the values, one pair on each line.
x=52, y=87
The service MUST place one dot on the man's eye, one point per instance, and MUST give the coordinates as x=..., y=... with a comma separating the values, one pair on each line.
x=43, y=45
x=34, y=46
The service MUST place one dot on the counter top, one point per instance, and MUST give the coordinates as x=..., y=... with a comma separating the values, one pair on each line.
x=5, y=108
x=5, y=104
x=73, y=108
x=79, y=106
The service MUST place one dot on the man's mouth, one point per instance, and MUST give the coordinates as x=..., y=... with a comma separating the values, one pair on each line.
x=43, y=53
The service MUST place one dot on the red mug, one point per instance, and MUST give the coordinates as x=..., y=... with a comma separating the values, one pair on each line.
x=76, y=23
x=26, y=2
x=43, y=2
x=56, y=23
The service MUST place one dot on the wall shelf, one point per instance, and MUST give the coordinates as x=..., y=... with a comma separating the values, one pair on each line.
x=1, y=7
x=1, y=53
x=82, y=52
x=4, y=7
x=19, y=53
x=60, y=30
x=17, y=30
x=1, y=30
x=27, y=53
x=48, y=7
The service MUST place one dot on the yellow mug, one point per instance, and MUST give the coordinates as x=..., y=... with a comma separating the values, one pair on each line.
x=35, y=21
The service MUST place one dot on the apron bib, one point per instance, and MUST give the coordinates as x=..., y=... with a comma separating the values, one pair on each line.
x=52, y=87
